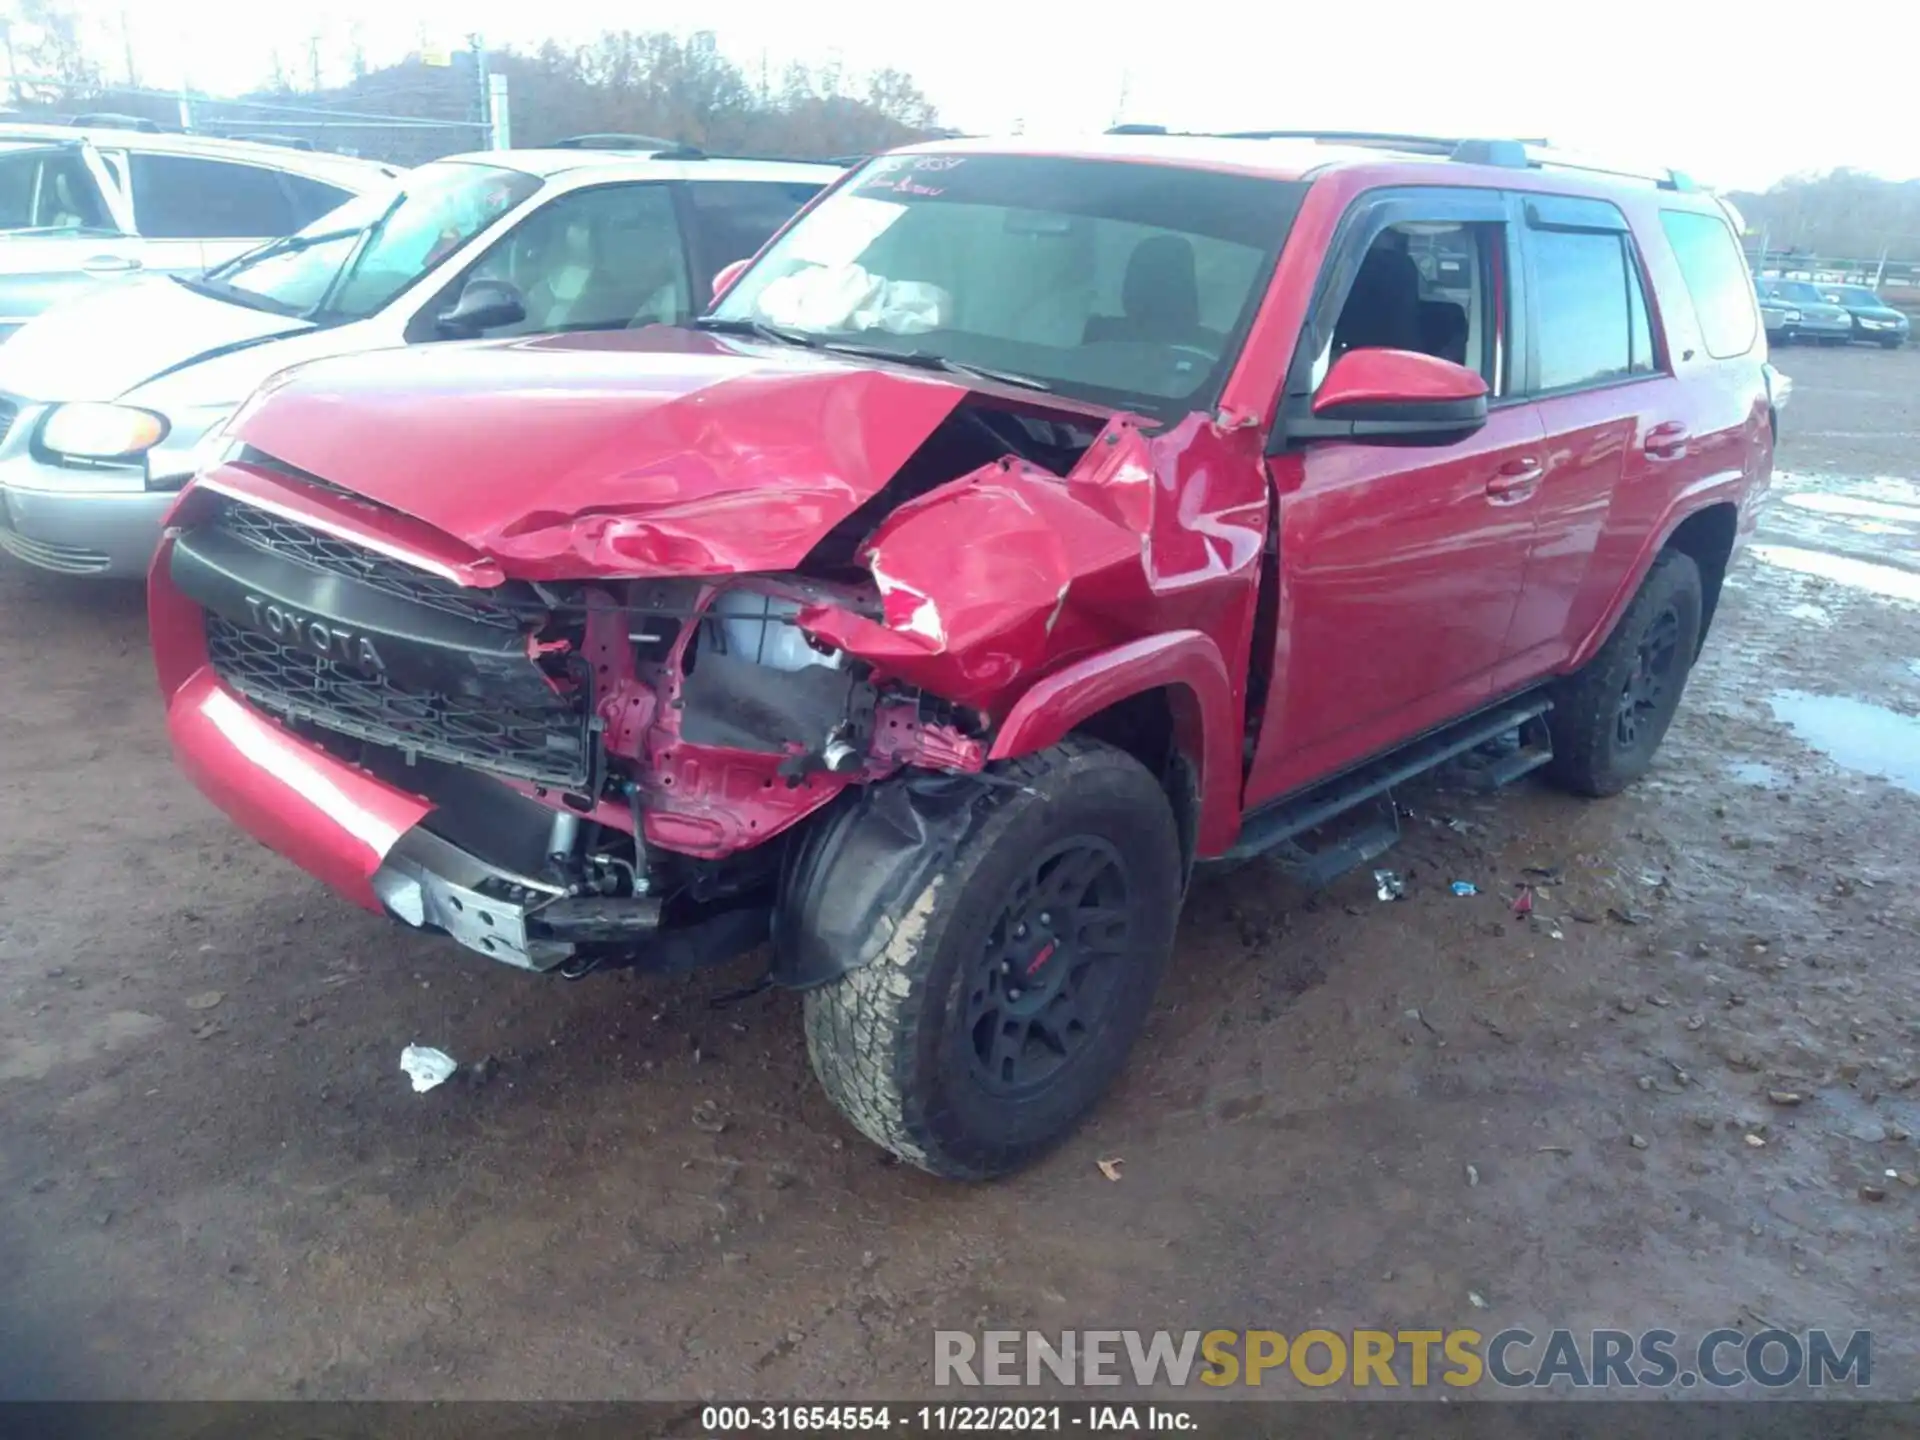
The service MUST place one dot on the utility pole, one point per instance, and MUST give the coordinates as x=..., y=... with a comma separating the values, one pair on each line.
x=499, y=120
x=1126, y=89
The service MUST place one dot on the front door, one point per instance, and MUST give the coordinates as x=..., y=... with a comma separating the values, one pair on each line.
x=1399, y=568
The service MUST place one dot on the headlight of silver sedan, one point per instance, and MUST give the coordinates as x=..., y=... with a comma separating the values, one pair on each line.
x=93, y=431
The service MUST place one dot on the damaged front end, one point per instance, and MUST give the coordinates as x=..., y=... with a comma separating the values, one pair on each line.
x=570, y=771
x=605, y=762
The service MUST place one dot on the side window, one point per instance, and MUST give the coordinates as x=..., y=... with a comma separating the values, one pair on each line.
x=732, y=219
x=609, y=258
x=182, y=197
x=1716, y=278
x=1432, y=288
x=49, y=189
x=1590, y=308
x=311, y=199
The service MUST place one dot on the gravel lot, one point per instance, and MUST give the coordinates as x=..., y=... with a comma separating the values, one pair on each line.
x=215, y=1181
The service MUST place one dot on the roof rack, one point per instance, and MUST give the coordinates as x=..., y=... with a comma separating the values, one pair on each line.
x=1530, y=154
x=112, y=120
x=257, y=137
x=616, y=142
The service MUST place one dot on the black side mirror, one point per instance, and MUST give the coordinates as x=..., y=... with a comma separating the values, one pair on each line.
x=483, y=305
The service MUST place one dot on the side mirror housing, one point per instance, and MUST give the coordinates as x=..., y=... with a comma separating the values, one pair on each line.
x=483, y=305
x=723, y=278
x=1394, y=397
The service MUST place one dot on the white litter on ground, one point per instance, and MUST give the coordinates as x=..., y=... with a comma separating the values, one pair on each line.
x=426, y=1066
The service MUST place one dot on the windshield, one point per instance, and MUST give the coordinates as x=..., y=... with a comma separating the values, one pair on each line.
x=1856, y=295
x=1126, y=284
x=1798, y=291
x=351, y=262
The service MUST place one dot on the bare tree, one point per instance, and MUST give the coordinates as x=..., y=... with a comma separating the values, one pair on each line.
x=51, y=54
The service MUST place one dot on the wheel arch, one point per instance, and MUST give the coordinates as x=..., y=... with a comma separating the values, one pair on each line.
x=1706, y=537
x=1167, y=701
x=1705, y=534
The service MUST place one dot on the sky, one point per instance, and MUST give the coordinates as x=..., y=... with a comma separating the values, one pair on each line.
x=1703, y=87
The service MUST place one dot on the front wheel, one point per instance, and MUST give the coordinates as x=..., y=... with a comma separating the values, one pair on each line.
x=1016, y=982
x=1609, y=717
x=1890, y=342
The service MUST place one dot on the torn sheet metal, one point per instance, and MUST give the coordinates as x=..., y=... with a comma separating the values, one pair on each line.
x=1146, y=534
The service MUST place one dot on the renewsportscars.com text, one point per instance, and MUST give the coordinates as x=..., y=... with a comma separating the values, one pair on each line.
x=1380, y=1359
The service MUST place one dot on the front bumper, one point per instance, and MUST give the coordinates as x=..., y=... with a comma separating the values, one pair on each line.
x=402, y=838
x=1808, y=329
x=96, y=529
x=358, y=833
x=80, y=520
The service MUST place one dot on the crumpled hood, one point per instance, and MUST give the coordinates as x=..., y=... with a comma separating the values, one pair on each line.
x=649, y=452
x=112, y=338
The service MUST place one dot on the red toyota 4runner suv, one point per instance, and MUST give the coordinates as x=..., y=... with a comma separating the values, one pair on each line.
x=1021, y=527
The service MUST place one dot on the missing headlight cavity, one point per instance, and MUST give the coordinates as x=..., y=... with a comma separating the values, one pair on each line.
x=755, y=682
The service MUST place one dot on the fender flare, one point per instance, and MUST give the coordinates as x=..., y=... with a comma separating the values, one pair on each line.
x=1685, y=506
x=1206, y=719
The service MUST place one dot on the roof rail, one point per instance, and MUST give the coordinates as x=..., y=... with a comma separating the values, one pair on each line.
x=256, y=137
x=112, y=120
x=1538, y=155
x=1513, y=154
x=615, y=142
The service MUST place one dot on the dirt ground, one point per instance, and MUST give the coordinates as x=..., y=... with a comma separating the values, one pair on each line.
x=216, y=1182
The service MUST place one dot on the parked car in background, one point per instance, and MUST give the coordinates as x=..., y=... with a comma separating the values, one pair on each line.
x=104, y=401
x=79, y=207
x=1776, y=316
x=1807, y=314
x=1873, y=319
x=1019, y=528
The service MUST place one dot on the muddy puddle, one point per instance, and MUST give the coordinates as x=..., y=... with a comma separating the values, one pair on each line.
x=1853, y=734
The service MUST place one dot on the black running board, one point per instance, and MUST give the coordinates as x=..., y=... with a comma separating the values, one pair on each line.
x=1281, y=822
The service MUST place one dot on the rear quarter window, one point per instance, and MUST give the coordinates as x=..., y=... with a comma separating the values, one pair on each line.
x=1716, y=277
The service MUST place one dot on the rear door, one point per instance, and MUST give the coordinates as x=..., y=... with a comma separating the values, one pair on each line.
x=1609, y=405
x=1399, y=567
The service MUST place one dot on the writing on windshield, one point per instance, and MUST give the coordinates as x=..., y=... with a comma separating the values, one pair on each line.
x=1122, y=283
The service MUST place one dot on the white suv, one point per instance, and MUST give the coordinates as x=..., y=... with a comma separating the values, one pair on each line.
x=105, y=402
x=79, y=206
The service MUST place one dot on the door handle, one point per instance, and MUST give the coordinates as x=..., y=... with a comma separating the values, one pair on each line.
x=1515, y=480
x=1666, y=439
x=109, y=264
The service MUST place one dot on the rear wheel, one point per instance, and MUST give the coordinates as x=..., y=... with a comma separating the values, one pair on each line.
x=1608, y=718
x=1016, y=983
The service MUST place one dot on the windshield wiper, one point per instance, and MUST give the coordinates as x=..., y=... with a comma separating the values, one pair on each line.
x=927, y=360
x=758, y=329
x=285, y=245
x=232, y=294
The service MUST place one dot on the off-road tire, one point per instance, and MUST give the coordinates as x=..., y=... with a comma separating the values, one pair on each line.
x=891, y=1043
x=1590, y=756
